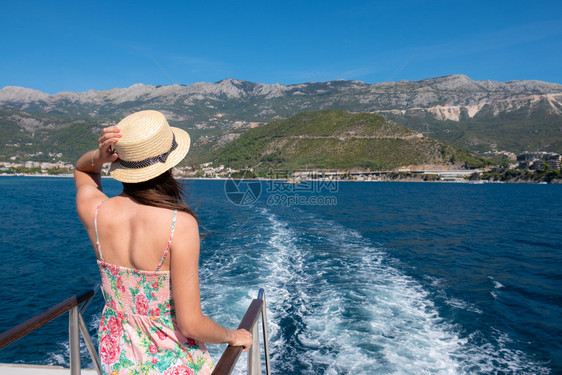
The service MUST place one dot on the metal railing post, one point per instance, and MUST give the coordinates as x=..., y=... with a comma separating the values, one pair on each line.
x=74, y=340
x=89, y=344
x=254, y=362
x=265, y=335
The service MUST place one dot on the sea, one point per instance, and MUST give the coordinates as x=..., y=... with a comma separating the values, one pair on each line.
x=359, y=277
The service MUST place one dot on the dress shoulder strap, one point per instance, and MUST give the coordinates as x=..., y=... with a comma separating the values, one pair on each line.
x=169, y=241
x=98, y=247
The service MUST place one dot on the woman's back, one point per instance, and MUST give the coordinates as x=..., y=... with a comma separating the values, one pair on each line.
x=133, y=235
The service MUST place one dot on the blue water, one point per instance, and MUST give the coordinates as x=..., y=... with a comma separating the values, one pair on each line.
x=379, y=278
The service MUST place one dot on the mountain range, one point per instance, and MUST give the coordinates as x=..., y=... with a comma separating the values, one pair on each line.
x=477, y=115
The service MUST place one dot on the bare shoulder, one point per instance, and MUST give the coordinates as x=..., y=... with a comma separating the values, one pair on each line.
x=87, y=199
x=187, y=221
x=186, y=235
x=187, y=224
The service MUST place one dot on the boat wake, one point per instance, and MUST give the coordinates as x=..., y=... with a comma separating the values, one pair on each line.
x=337, y=305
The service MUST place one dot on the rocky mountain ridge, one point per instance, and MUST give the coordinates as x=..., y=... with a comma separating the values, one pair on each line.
x=437, y=95
x=479, y=115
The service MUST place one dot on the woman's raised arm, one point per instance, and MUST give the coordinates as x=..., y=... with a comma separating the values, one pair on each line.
x=87, y=171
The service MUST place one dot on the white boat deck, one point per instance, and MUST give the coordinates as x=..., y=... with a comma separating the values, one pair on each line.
x=19, y=369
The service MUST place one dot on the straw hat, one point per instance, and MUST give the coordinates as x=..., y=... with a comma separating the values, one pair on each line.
x=149, y=146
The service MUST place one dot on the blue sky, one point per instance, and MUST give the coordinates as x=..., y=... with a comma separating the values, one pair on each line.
x=77, y=45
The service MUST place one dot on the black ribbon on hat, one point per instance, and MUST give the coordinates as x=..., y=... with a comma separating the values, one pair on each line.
x=152, y=160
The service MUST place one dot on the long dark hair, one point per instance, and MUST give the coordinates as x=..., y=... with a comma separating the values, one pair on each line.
x=163, y=191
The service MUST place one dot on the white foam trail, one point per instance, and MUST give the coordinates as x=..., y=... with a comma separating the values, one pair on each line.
x=354, y=313
x=284, y=262
x=400, y=332
x=367, y=318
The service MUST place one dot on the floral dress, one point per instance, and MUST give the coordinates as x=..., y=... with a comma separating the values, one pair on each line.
x=138, y=333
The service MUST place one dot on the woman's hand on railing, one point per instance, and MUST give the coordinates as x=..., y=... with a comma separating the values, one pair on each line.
x=239, y=337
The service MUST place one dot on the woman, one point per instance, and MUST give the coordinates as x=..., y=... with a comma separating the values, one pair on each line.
x=147, y=244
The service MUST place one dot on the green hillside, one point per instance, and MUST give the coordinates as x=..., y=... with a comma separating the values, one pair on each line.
x=335, y=139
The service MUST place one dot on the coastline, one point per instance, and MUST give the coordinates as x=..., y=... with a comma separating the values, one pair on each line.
x=459, y=181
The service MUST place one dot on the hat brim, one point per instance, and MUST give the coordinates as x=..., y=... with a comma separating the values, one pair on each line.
x=133, y=175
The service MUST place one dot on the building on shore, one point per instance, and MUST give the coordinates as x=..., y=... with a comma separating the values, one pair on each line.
x=536, y=160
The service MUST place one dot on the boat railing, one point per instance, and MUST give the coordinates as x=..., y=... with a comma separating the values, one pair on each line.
x=75, y=305
x=230, y=356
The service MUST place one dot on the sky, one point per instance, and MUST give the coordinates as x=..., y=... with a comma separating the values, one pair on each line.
x=79, y=45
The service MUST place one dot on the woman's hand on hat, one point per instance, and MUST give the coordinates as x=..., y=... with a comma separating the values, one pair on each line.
x=109, y=136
